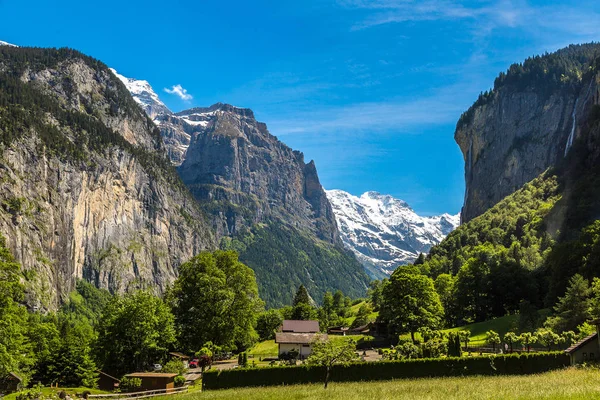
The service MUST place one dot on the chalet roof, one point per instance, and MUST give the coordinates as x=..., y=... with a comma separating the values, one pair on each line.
x=179, y=355
x=297, y=338
x=582, y=342
x=362, y=328
x=290, y=325
x=109, y=376
x=15, y=376
x=151, y=375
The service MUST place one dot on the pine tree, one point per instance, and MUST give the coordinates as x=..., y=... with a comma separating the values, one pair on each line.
x=573, y=308
x=301, y=297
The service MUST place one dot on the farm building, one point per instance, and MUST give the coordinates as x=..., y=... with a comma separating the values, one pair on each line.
x=10, y=383
x=295, y=326
x=155, y=380
x=107, y=382
x=297, y=336
x=587, y=349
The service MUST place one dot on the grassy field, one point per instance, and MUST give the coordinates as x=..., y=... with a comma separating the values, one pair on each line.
x=564, y=384
x=268, y=348
x=500, y=325
x=354, y=311
x=48, y=391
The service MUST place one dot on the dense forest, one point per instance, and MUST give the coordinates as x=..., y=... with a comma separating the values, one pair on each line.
x=539, y=245
x=282, y=256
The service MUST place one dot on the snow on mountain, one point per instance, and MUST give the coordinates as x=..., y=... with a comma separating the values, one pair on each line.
x=144, y=95
x=7, y=44
x=384, y=232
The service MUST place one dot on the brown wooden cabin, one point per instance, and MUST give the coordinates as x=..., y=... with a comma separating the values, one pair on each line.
x=107, y=382
x=10, y=383
x=155, y=380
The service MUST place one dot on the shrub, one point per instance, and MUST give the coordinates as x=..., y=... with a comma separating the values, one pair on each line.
x=174, y=367
x=508, y=364
x=179, y=380
x=434, y=349
x=130, y=384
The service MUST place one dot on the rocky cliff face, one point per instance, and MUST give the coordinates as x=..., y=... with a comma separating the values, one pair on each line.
x=525, y=125
x=85, y=188
x=234, y=159
x=260, y=197
x=384, y=232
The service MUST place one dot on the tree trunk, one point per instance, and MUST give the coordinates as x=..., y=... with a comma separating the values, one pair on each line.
x=412, y=336
x=327, y=377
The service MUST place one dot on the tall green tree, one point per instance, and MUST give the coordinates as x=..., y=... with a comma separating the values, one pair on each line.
x=573, y=308
x=362, y=316
x=328, y=307
x=410, y=302
x=444, y=286
x=215, y=298
x=69, y=362
x=374, y=292
x=267, y=323
x=471, y=290
x=135, y=331
x=301, y=297
x=15, y=349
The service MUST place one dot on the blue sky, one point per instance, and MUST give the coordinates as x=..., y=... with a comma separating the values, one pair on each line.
x=371, y=90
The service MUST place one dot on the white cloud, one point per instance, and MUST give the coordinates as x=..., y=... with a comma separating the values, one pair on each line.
x=399, y=115
x=485, y=15
x=179, y=91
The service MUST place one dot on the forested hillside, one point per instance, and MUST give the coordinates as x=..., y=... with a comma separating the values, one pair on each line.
x=528, y=246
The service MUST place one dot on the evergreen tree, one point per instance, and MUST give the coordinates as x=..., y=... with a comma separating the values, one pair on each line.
x=301, y=297
x=15, y=350
x=420, y=259
x=573, y=308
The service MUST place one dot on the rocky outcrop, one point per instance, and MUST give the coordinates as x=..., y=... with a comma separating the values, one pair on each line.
x=511, y=135
x=116, y=214
x=236, y=167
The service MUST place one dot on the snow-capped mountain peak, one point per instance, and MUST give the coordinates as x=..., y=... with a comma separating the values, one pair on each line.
x=144, y=95
x=384, y=232
x=7, y=44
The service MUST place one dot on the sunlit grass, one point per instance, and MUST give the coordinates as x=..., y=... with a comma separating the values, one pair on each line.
x=564, y=384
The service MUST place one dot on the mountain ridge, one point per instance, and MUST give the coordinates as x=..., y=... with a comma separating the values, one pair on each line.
x=384, y=232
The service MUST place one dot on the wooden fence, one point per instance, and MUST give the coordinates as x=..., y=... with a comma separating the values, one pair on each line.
x=141, y=395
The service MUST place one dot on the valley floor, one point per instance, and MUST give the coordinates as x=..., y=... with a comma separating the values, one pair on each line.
x=570, y=383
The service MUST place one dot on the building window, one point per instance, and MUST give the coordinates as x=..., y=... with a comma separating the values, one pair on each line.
x=592, y=356
x=585, y=356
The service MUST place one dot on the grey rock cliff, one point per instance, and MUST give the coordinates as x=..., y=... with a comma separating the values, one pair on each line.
x=515, y=135
x=109, y=218
x=233, y=159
